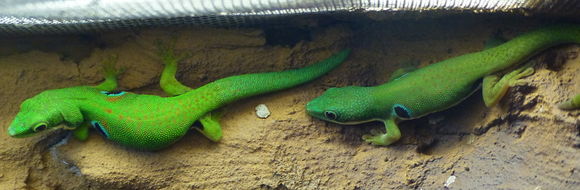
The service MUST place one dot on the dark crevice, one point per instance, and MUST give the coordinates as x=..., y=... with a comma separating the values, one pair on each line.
x=555, y=60
x=279, y=187
x=512, y=118
x=287, y=36
x=197, y=124
x=518, y=99
x=426, y=147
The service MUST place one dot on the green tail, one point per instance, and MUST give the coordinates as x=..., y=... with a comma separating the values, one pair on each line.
x=233, y=88
x=524, y=46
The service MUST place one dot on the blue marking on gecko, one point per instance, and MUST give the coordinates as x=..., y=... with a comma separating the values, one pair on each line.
x=113, y=93
x=97, y=125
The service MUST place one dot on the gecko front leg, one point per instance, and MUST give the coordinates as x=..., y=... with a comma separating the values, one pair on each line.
x=393, y=134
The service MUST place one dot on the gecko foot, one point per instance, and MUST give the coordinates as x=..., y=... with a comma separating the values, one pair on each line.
x=109, y=66
x=166, y=50
x=111, y=73
x=572, y=103
x=521, y=73
x=381, y=139
x=494, y=87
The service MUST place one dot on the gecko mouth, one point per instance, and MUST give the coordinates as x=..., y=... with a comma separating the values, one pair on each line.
x=14, y=132
x=314, y=111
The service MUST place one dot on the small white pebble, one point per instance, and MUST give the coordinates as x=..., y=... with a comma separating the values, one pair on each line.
x=449, y=181
x=262, y=111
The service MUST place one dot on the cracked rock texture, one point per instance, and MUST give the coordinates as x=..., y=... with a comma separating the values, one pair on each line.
x=525, y=142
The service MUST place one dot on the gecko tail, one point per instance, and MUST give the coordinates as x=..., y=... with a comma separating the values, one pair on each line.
x=241, y=86
x=498, y=57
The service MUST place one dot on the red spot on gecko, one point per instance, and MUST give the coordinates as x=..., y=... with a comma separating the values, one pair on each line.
x=104, y=124
x=114, y=99
x=108, y=110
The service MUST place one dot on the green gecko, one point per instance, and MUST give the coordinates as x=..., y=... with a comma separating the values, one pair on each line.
x=438, y=86
x=149, y=122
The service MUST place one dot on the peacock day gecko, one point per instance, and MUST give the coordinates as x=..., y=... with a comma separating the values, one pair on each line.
x=439, y=86
x=150, y=122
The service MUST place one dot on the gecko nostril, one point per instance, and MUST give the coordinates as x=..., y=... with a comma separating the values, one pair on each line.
x=310, y=108
x=11, y=131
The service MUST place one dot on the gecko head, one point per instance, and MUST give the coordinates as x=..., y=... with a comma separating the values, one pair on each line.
x=347, y=105
x=36, y=115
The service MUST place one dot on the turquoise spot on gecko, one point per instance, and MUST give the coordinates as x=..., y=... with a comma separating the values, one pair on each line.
x=402, y=112
x=100, y=128
x=113, y=93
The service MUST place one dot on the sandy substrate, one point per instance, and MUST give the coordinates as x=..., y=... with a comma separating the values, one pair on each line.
x=525, y=142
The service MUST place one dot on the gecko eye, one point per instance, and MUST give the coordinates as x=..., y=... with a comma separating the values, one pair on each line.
x=402, y=111
x=40, y=127
x=330, y=115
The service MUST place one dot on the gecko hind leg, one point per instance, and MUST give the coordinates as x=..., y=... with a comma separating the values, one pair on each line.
x=393, y=135
x=401, y=72
x=211, y=127
x=82, y=132
x=406, y=67
x=111, y=73
x=170, y=59
x=494, y=87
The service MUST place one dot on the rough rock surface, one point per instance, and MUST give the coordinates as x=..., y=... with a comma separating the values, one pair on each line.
x=525, y=142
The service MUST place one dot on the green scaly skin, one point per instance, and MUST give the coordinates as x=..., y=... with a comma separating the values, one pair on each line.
x=149, y=122
x=438, y=86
